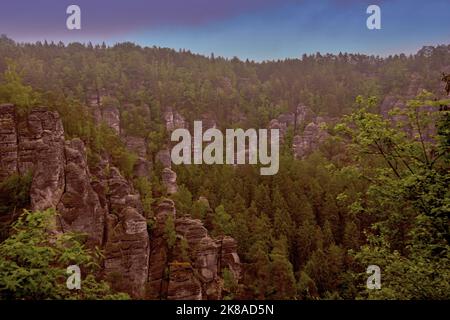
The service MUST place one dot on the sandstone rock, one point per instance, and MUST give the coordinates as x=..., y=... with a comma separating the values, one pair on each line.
x=142, y=167
x=276, y=124
x=228, y=256
x=137, y=145
x=183, y=284
x=41, y=149
x=100, y=202
x=126, y=239
x=169, y=180
x=163, y=157
x=127, y=252
x=172, y=274
x=159, y=251
x=80, y=207
x=173, y=120
x=309, y=140
x=302, y=114
x=8, y=141
x=204, y=252
x=121, y=193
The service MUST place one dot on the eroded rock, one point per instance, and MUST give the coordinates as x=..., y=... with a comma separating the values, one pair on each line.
x=169, y=179
x=41, y=150
x=8, y=141
x=309, y=140
x=80, y=208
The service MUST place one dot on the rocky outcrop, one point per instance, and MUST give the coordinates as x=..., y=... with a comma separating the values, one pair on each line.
x=127, y=251
x=8, y=141
x=173, y=120
x=138, y=145
x=163, y=157
x=159, y=251
x=302, y=120
x=176, y=259
x=295, y=119
x=125, y=239
x=169, y=180
x=309, y=140
x=228, y=256
x=183, y=283
x=121, y=193
x=204, y=252
x=80, y=208
x=41, y=150
x=191, y=269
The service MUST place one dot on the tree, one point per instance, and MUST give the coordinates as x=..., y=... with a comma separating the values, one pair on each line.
x=223, y=224
x=410, y=197
x=33, y=262
x=282, y=280
x=15, y=92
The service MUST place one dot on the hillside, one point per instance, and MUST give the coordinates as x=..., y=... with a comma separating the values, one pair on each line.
x=364, y=169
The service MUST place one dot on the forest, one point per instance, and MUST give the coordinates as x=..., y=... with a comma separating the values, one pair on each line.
x=375, y=192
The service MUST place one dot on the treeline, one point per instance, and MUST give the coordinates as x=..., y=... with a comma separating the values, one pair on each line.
x=233, y=91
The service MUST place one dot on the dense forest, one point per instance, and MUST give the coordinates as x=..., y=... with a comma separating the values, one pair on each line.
x=376, y=192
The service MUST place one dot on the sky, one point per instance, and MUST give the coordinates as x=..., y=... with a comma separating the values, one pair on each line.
x=249, y=29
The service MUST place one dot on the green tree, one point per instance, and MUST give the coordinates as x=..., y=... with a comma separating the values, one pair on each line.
x=410, y=198
x=33, y=262
x=12, y=90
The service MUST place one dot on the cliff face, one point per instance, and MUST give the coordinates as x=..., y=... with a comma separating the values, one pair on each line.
x=101, y=203
x=308, y=129
x=191, y=267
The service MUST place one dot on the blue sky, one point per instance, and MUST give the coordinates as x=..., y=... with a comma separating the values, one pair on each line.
x=254, y=29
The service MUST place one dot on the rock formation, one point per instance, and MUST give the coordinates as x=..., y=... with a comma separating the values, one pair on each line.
x=138, y=145
x=192, y=270
x=163, y=157
x=8, y=141
x=309, y=140
x=80, y=208
x=41, y=150
x=99, y=202
x=310, y=137
x=173, y=120
x=169, y=178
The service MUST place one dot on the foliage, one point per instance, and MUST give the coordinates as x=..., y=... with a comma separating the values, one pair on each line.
x=409, y=197
x=33, y=262
x=12, y=90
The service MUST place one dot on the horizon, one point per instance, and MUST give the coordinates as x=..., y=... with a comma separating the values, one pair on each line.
x=254, y=30
x=216, y=56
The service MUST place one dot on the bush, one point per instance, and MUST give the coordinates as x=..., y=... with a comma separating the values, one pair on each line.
x=33, y=262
